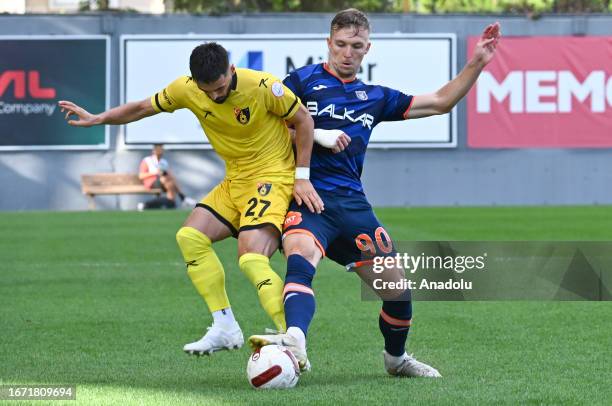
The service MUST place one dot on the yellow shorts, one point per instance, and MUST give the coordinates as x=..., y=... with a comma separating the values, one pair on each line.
x=246, y=205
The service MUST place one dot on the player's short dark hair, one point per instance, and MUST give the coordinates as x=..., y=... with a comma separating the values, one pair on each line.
x=208, y=62
x=350, y=18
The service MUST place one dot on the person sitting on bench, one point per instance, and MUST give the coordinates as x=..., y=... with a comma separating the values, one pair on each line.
x=154, y=173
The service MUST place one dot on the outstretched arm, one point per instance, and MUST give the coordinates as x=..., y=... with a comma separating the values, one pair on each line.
x=126, y=113
x=448, y=96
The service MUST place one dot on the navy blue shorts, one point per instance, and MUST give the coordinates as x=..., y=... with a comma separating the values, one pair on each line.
x=347, y=231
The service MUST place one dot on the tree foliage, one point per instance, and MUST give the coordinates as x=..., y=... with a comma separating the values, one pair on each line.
x=392, y=6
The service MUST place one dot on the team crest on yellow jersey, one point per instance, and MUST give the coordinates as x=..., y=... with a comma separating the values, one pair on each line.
x=264, y=188
x=242, y=115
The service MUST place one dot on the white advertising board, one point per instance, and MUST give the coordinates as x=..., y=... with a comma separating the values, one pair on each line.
x=414, y=64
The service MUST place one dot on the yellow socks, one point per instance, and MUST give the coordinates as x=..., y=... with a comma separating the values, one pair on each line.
x=269, y=286
x=207, y=275
x=204, y=267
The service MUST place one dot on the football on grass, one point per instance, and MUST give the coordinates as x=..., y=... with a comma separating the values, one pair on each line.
x=273, y=367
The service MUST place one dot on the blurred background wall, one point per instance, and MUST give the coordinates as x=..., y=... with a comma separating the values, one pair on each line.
x=50, y=180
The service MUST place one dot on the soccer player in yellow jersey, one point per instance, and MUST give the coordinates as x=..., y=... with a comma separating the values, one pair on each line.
x=243, y=113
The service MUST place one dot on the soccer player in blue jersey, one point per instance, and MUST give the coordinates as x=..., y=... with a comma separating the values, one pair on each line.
x=346, y=110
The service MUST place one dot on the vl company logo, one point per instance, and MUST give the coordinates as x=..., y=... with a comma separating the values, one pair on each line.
x=22, y=81
x=22, y=94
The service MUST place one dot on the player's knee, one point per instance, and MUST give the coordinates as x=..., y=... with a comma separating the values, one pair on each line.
x=262, y=241
x=302, y=245
x=192, y=242
x=391, y=284
x=394, y=295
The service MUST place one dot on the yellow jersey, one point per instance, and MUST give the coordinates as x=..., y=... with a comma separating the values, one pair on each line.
x=248, y=129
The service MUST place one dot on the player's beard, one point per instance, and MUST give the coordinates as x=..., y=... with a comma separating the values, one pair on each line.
x=220, y=100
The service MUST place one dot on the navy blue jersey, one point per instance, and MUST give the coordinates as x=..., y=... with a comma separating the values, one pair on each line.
x=353, y=107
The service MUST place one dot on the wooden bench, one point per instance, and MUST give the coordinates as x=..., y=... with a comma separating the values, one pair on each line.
x=113, y=184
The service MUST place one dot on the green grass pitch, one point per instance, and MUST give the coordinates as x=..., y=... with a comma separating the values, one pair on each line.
x=101, y=300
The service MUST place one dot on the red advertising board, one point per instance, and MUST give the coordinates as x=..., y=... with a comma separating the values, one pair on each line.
x=543, y=92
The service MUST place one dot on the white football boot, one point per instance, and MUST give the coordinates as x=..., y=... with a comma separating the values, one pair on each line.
x=408, y=366
x=216, y=339
x=291, y=343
